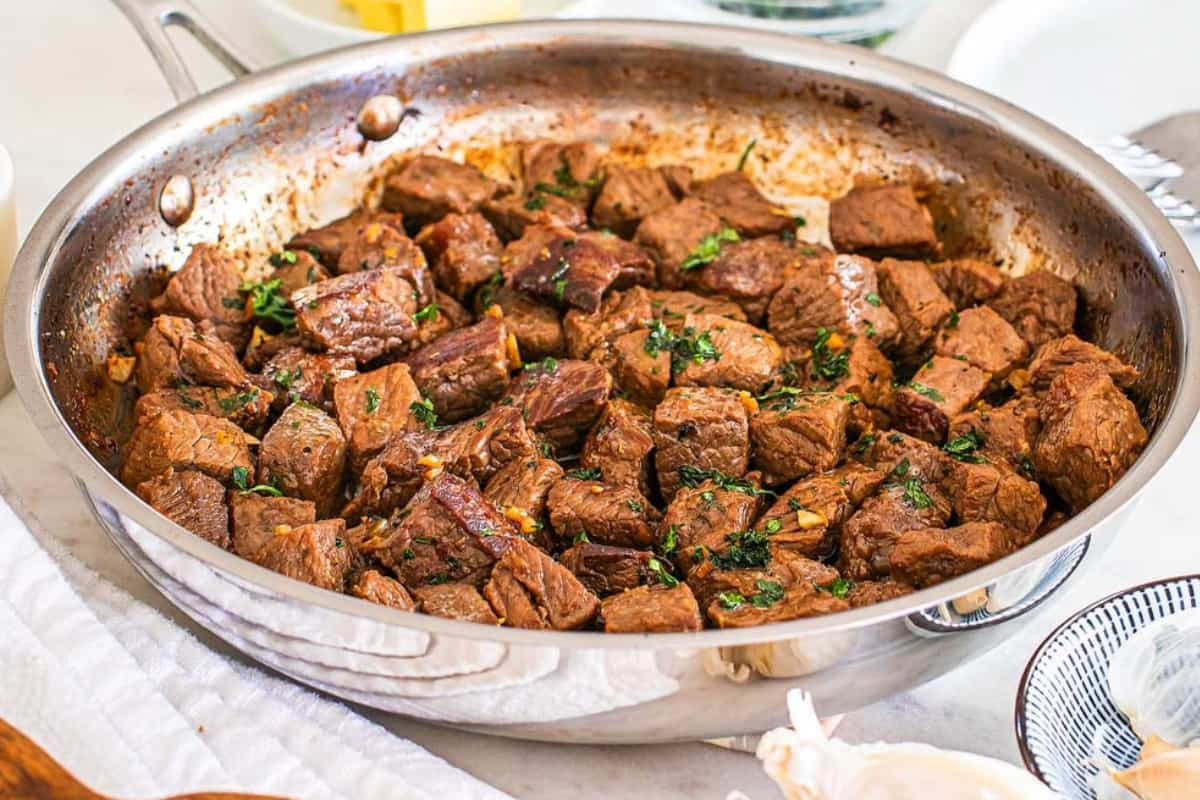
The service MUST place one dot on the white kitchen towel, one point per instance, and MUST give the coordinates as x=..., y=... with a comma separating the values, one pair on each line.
x=134, y=706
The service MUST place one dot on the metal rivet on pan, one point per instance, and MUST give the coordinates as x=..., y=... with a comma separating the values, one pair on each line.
x=176, y=200
x=380, y=116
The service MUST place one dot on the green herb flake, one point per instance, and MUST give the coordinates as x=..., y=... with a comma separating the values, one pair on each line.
x=584, y=474
x=239, y=400
x=269, y=304
x=964, y=447
x=840, y=587
x=489, y=289
x=427, y=314
x=282, y=257
x=535, y=203
x=233, y=302
x=864, y=442
x=634, y=506
x=952, y=321
x=661, y=574
x=692, y=476
x=548, y=365
x=769, y=593
x=794, y=504
x=773, y=526
x=670, y=541
x=873, y=298
x=730, y=600
x=424, y=413
x=240, y=477
x=914, y=494
x=581, y=538
x=709, y=248
x=437, y=579
x=926, y=391
x=826, y=364
x=407, y=554
x=746, y=154
x=284, y=378
x=748, y=549
x=372, y=400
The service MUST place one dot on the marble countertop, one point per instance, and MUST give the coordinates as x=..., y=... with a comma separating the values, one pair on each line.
x=74, y=78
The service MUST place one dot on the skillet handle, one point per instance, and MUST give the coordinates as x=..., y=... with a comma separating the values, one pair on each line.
x=151, y=18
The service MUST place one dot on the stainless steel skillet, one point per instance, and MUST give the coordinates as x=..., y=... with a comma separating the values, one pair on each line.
x=282, y=149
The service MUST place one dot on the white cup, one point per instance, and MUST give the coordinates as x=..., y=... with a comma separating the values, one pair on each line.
x=8, y=251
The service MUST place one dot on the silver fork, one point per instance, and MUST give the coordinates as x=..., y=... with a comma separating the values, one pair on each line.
x=1164, y=159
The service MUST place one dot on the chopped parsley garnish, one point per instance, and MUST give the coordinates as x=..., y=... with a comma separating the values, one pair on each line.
x=962, y=448
x=747, y=550
x=438, y=578
x=926, y=391
x=769, y=593
x=730, y=600
x=827, y=364
x=708, y=499
x=233, y=302
x=692, y=476
x=548, y=365
x=840, y=587
x=634, y=506
x=427, y=314
x=709, y=248
x=864, y=441
x=407, y=554
x=372, y=400
x=282, y=257
x=188, y=400
x=670, y=541
x=558, y=278
x=697, y=554
x=584, y=474
x=952, y=322
x=424, y=540
x=785, y=398
x=286, y=377
x=1026, y=465
x=535, y=203
x=873, y=299
x=234, y=402
x=240, y=477
x=746, y=154
x=554, y=189
x=661, y=574
x=263, y=488
x=424, y=412
x=581, y=538
x=773, y=526
x=269, y=304
x=685, y=348
x=799, y=221
x=489, y=288
x=795, y=505
x=914, y=494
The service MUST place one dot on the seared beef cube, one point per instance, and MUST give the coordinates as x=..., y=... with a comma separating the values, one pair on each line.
x=880, y=220
x=519, y=490
x=379, y=246
x=428, y=188
x=1003, y=434
x=207, y=289
x=328, y=242
x=562, y=400
x=867, y=538
x=537, y=327
x=570, y=166
x=373, y=406
x=606, y=570
x=773, y=603
x=749, y=273
x=794, y=436
x=1057, y=354
x=985, y=492
x=708, y=429
x=248, y=408
x=455, y=601
x=931, y=555
x=529, y=589
x=868, y=593
x=317, y=553
x=728, y=353
x=570, y=272
x=533, y=245
x=700, y=519
x=191, y=499
x=184, y=440
x=374, y=586
x=511, y=215
x=679, y=177
x=808, y=517
x=297, y=375
x=1090, y=435
x=939, y=390
x=629, y=195
x=173, y=351
x=464, y=371
x=304, y=455
x=1040, y=305
x=297, y=269
x=967, y=281
x=652, y=609
x=363, y=314
x=256, y=518
x=264, y=346
x=910, y=291
x=980, y=337
x=869, y=376
x=463, y=250
x=672, y=308
x=715, y=577
x=642, y=370
x=620, y=312
x=737, y=200
x=838, y=294
x=448, y=533
x=903, y=456
x=606, y=514
x=635, y=265
x=672, y=233
x=620, y=445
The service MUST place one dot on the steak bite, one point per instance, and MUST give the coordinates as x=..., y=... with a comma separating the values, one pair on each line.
x=295, y=269
x=747, y=563
x=207, y=288
x=773, y=602
x=636, y=267
x=537, y=327
x=569, y=271
x=1004, y=434
x=673, y=233
x=428, y=188
x=373, y=406
x=941, y=389
x=174, y=352
x=839, y=294
x=672, y=308
x=903, y=456
x=607, y=570
x=571, y=167
x=1040, y=305
x=621, y=445
x=910, y=291
x=704, y=428
x=317, y=553
x=927, y=556
x=620, y=312
x=463, y=250
x=980, y=337
x=191, y=499
x=1057, y=354
x=629, y=195
x=248, y=409
x=652, y=609
x=373, y=586
x=642, y=370
x=529, y=589
x=257, y=517
x=298, y=375
x=868, y=593
x=519, y=490
x=455, y=601
x=184, y=440
x=967, y=281
x=363, y=314
x=511, y=215
x=881, y=220
x=737, y=200
x=748, y=273
x=700, y=519
x=328, y=242
x=383, y=247
x=868, y=376
x=464, y=371
x=1090, y=435
x=808, y=517
x=304, y=455
x=986, y=492
x=722, y=352
x=563, y=399
x=613, y=515
x=794, y=435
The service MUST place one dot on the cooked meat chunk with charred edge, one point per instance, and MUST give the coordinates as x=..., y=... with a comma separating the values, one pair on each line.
x=529, y=589
x=428, y=188
x=464, y=371
x=317, y=553
x=881, y=220
x=184, y=440
x=257, y=517
x=561, y=400
x=588, y=510
x=621, y=446
x=607, y=570
x=941, y=389
x=374, y=586
x=304, y=455
x=1040, y=305
x=464, y=252
x=838, y=294
x=373, y=406
x=701, y=428
x=652, y=609
x=363, y=314
x=927, y=556
x=739, y=203
x=298, y=375
x=628, y=196
x=191, y=499
x=980, y=337
x=207, y=288
x=175, y=352
x=455, y=601
x=328, y=242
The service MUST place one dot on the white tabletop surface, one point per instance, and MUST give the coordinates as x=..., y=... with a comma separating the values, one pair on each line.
x=74, y=78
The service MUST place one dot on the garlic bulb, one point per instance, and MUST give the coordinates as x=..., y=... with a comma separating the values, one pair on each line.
x=1154, y=678
x=808, y=765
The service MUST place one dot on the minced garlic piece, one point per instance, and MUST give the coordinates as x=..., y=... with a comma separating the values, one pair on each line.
x=748, y=401
x=432, y=464
x=835, y=341
x=522, y=517
x=514, y=352
x=120, y=368
x=373, y=232
x=1019, y=379
x=807, y=520
x=495, y=310
x=597, y=489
